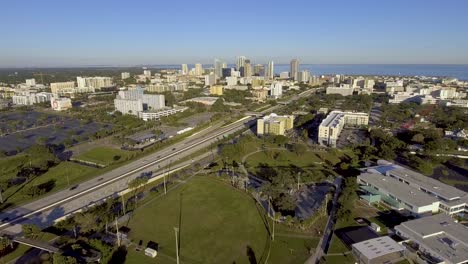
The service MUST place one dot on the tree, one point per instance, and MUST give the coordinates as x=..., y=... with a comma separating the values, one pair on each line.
x=86, y=222
x=61, y=259
x=299, y=149
x=418, y=138
x=5, y=243
x=30, y=231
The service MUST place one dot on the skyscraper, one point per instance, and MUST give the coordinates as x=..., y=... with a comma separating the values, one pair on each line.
x=218, y=68
x=259, y=70
x=184, y=69
x=240, y=61
x=198, y=69
x=247, y=69
x=270, y=72
x=294, y=69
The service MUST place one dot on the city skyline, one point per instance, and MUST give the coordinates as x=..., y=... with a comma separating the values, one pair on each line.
x=54, y=34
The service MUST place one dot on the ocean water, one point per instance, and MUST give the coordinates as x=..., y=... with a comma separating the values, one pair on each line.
x=459, y=71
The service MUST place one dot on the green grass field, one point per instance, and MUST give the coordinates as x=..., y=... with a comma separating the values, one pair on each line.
x=217, y=224
x=104, y=156
x=76, y=173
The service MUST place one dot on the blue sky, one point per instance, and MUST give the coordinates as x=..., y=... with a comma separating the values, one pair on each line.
x=104, y=32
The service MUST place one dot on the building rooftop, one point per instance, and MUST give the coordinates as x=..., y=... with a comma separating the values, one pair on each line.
x=442, y=190
x=377, y=247
x=334, y=118
x=440, y=234
x=399, y=189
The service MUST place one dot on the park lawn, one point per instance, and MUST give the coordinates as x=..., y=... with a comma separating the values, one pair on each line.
x=291, y=249
x=217, y=224
x=76, y=173
x=337, y=246
x=340, y=259
x=285, y=158
x=104, y=155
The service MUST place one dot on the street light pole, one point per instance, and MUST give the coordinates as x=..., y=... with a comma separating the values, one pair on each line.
x=176, y=230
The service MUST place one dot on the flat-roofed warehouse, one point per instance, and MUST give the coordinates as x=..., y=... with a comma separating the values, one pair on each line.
x=378, y=250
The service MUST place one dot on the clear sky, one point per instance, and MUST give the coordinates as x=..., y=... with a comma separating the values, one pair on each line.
x=114, y=32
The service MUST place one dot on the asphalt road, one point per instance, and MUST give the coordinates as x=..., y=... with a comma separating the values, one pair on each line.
x=45, y=210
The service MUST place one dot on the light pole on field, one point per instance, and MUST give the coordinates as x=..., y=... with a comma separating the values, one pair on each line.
x=176, y=230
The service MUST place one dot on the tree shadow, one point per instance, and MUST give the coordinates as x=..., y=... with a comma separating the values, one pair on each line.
x=251, y=255
x=119, y=256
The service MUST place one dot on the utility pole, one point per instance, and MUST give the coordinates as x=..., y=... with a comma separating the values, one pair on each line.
x=298, y=180
x=273, y=233
x=165, y=189
x=123, y=205
x=176, y=230
x=117, y=228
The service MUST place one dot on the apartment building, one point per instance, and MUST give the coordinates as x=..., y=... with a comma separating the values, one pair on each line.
x=330, y=128
x=274, y=124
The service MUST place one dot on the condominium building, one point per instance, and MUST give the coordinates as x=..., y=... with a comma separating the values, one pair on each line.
x=276, y=89
x=331, y=126
x=274, y=124
x=198, y=69
x=94, y=82
x=435, y=239
x=55, y=88
x=270, y=72
x=157, y=88
x=31, y=98
x=125, y=75
x=60, y=104
x=294, y=69
x=210, y=79
x=303, y=76
x=284, y=75
x=432, y=195
x=241, y=61
x=184, y=69
x=216, y=90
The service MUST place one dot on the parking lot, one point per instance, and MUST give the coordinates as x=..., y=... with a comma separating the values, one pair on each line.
x=351, y=136
x=52, y=129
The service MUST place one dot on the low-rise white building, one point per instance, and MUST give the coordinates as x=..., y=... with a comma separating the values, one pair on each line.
x=437, y=239
x=60, y=104
x=330, y=128
x=344, y=90
x=378, y=250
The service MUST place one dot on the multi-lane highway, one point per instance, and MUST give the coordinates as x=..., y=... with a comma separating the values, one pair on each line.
x=46, y=210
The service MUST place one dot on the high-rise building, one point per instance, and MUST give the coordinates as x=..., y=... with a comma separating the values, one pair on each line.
x=210, y=79
x=135, y=101
x=331, y=126
x=125, y=75
x=276, y=89
x=284, y=75
x=259, y=70
x=218, y=68
x=198, y=69
x=270, y=72
x=184, y=69
x=247, y=69
x=241, y=61
x=294, y=69
x=31, y=82
x=226, y=72
x=231, y=81
x=274, y=124
x=303, y=76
